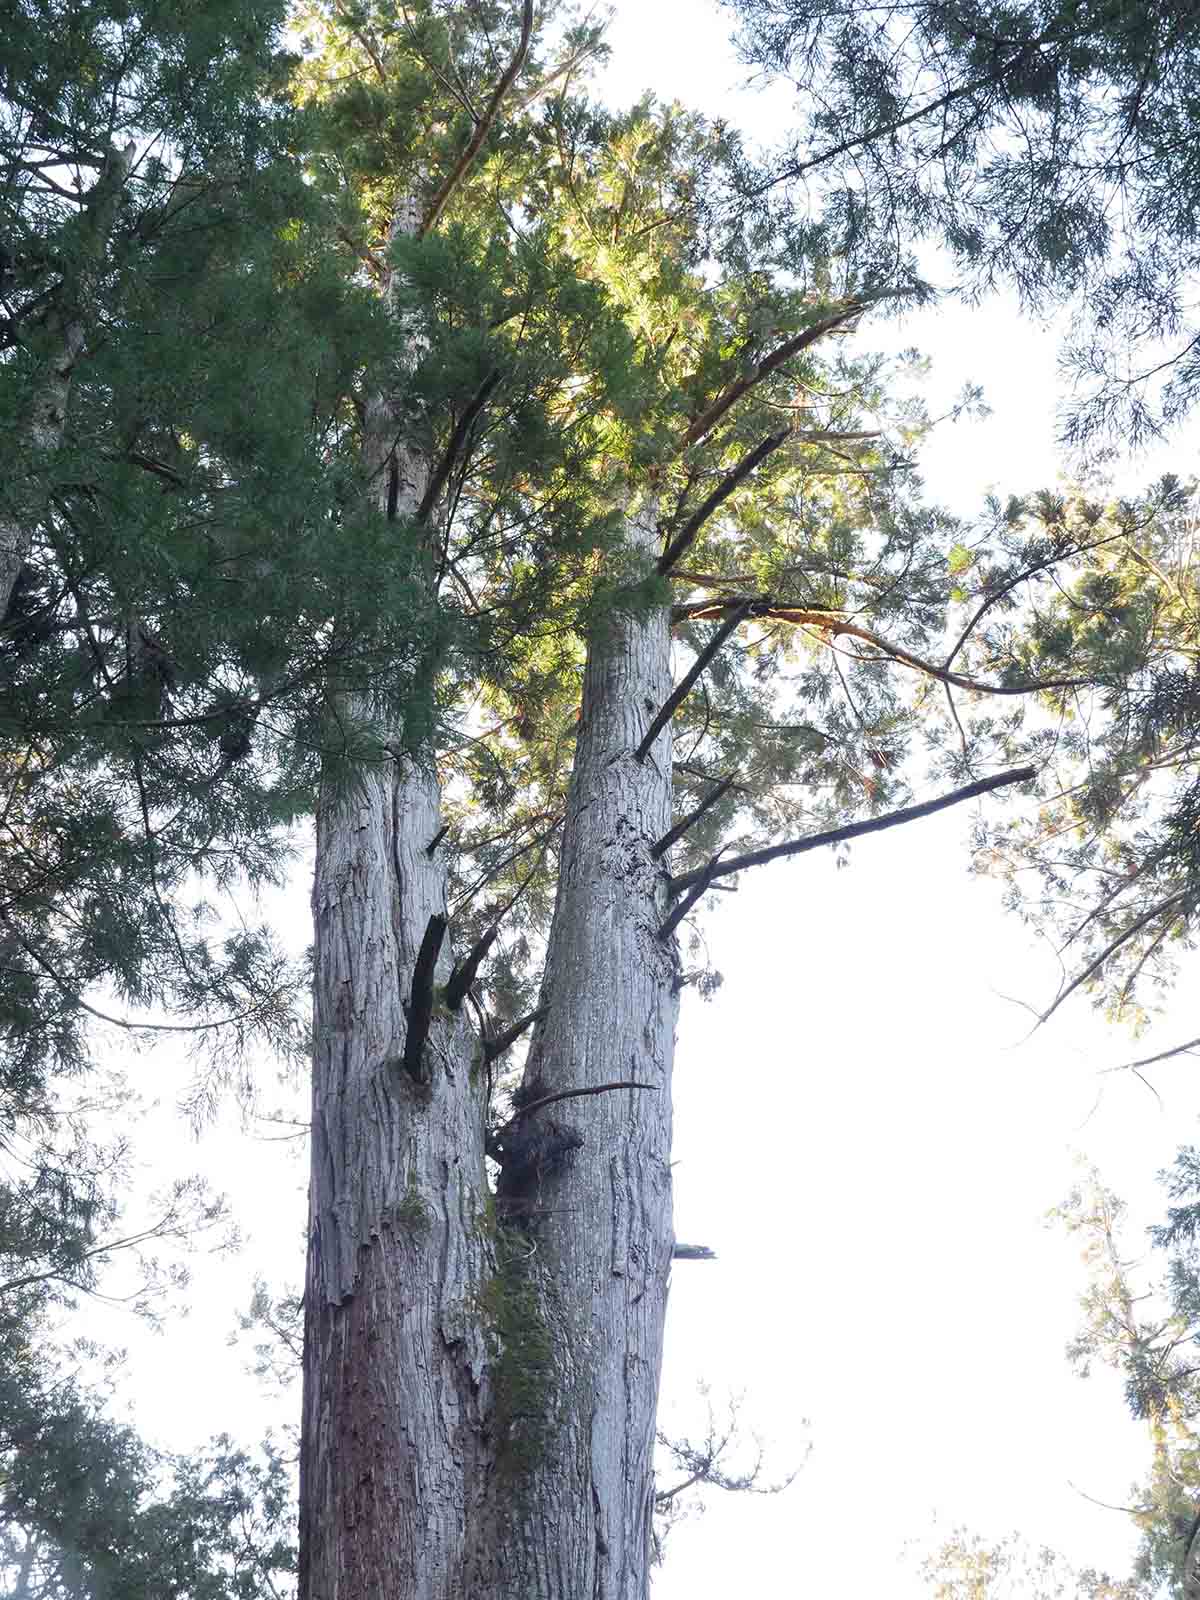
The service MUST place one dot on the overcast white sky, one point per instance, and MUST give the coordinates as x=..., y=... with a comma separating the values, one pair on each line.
x=861, y=1133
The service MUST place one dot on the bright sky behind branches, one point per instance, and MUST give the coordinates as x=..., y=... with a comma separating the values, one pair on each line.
x=861, y=1133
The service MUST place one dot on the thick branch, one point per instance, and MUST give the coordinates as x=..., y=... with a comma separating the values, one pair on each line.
x=503, y=1041
x=482, y=127
x=854, y=830
x=693, y=1252
x=681, y=691
x=699, y=882
x=687, y=534
x=438, y=482
x=681, y=827
x=420, y=1006
x=464, y=974
x=708, y=419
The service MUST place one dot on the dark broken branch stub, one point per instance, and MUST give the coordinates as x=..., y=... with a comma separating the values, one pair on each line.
x=420, y=1006
x=504, y=1041
x=465, y=972
x=437, y=839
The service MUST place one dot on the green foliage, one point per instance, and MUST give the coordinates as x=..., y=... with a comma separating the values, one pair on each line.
x=1112, y=846
x=1143, y=1326
x=968, y=1567
x=1049, y=146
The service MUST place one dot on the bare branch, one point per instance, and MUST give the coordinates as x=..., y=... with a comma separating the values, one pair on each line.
x=717, y=868
x=503, y=1041
x=575, y=1094
x=465, y=972
x=1149, y=1061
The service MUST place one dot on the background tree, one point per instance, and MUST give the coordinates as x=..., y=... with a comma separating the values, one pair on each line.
x=1046, y=146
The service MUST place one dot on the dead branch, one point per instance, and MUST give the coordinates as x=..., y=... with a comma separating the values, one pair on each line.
x=420, y=1005
x=466, y=971
x=574, y=1094
x=503, y=1041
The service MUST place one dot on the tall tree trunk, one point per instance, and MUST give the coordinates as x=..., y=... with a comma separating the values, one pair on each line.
x=598, y=1217
x=394, y=1361
x=61, y=339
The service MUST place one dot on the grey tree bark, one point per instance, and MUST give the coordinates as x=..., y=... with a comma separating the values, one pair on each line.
x=479, y=1406
x=63, y=338
x=599, y=1218
x=395, y=1391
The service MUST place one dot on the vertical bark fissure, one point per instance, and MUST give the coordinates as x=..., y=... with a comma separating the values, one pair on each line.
x=394, y=1371
x=63, y=337
x=601, y=1215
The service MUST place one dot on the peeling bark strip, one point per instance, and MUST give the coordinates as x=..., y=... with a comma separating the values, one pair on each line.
x=64, y=328
x=395, y=1390
x=580, y=1526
